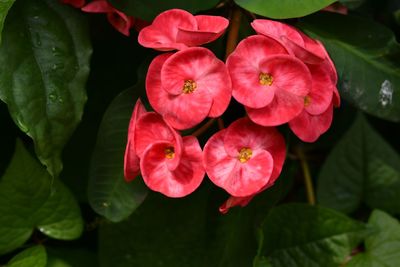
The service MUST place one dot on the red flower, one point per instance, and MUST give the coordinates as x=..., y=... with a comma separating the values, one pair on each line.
x=131, y=160
x=169, y=164
x=74, y=3
x=269, y=82
x=118, y=20
x=316, y=118
x=305, y=48
x=234, y=201
x=178, y=29
x=244, y=158
x=188, y=86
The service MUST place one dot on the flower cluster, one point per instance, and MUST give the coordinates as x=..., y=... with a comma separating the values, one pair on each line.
x=279, y=75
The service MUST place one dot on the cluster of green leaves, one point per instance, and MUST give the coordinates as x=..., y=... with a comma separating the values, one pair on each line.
x=69, y=172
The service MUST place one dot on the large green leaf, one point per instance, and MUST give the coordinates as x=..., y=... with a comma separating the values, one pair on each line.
x=29, y=199
x=109, y=194
x=303, y=235
x=366, y=55
x=32, y=257
x=382, y=247
x=161, y=232
x=5, y=6
x=44, y=64
x=283, y=9
x=362, y=167
x=189, y=231
x=148, y=9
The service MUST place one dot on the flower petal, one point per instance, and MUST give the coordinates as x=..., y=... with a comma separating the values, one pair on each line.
x=244, y=133
x=309, y=127
x=151, y=128
x=131, y=160
x=249, y=177
x=234, y=201
x=238, y=179
x=179, y=182
x=244, y=66
x=182, y=111
x=310, y=53
x=275, y=29
x=282, y=109
x=320, y=96
x=161, y=34
x=216, y=161
x=120, y=21
x=209, y=28
x=98, y=6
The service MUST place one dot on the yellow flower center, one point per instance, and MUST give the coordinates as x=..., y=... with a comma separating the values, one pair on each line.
x=245, y=154
x=307, y=101
x=265, y=79
x=189, y=86
x=169, y=152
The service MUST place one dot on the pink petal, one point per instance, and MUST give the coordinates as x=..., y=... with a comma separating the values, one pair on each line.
x=120, y=21
x=238, y=179
x=161, y=34
x=320, y=96
x=186, y=111
x=74, y=3
x=310, y=53
x=289, y=74
x=234, y=201
x=182, y=111
x=179, y=182
x=155, y=93
x=249, y=177
x=282, y=109
x=329, y=62
x=209, y=28
x=275, y=29
x=336, y=97
x=245, y=133
x=255, y=48
x=151, y=128
x=244, y=66
x=216, y=161
x=247, y=89
x=131, y=160
x=308, y=127
x=98, y=6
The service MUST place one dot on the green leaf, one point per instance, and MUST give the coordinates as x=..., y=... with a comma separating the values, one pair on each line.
x=70, y=257
x=362, y=167
x=5, y=6
x=189, y=231
x=149, y=9
x=366, y=55
x=283, y=9
x=44, y=64
x=32, y=257
x=109, y=194
x=303, y=235
x=382, y=248
x=30, y=198
x=161, y=232
x=352, y=4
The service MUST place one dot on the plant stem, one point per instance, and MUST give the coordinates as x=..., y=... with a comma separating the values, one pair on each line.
x=233, y=33
x=231, y=43
x=307, y=177
x=203, y=128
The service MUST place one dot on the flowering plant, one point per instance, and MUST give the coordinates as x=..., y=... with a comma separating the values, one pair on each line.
x=234, y=111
